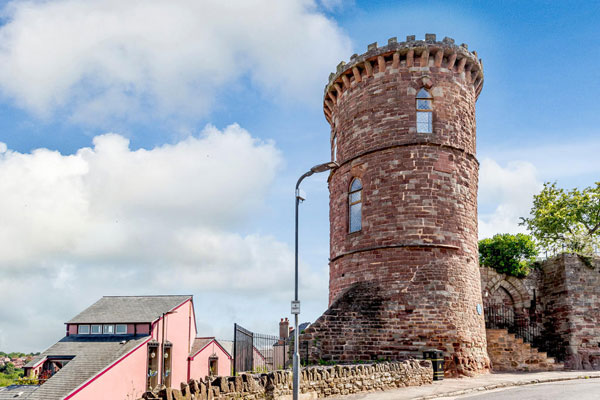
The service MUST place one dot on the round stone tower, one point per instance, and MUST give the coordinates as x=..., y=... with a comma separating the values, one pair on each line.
x=404, y=273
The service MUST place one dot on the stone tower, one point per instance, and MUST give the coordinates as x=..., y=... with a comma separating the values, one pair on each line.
x=404, y=273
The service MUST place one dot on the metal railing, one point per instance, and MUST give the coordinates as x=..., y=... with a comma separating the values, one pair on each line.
x=546, y=254
x=259, y=353
x=499, y=316
x=526, y=326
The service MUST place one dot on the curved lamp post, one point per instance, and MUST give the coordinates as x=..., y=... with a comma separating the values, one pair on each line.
x=296, y=303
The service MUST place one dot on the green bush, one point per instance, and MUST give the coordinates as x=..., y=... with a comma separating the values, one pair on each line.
x=9, y=375
x=508, y=254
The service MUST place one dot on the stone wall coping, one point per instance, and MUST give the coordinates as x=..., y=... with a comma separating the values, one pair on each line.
x=321, y=381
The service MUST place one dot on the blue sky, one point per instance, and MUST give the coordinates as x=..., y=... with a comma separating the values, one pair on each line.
x=222, y=108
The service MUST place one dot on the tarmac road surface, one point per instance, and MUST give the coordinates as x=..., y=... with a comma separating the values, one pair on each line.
x=559, y=385
x=582, y=389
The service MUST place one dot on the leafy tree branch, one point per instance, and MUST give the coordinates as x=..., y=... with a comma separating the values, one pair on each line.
x=563, y=220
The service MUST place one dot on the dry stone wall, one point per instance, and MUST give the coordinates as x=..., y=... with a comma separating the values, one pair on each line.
x=317, y=382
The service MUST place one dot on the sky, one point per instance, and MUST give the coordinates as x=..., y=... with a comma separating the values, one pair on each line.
x=152, y=146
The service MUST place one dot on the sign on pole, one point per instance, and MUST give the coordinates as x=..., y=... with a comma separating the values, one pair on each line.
x=295, y=307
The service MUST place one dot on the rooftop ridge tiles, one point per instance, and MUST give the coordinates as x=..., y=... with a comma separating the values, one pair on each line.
x=129, y=309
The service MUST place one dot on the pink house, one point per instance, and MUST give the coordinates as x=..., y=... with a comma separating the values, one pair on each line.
x=209, y=357
x=121, y=346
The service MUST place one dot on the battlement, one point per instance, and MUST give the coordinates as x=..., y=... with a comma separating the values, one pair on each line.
x=412, y=54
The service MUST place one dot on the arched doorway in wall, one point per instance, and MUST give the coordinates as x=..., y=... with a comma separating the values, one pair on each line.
x=507, y=303
x=500, y=296
x=508, y=290
x=500, y=309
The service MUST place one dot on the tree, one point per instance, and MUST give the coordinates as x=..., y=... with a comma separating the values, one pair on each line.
x=566, y=220
x=8, y=368
x=508, y=254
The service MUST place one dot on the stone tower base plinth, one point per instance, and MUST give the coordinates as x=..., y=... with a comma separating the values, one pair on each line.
x=358, y=327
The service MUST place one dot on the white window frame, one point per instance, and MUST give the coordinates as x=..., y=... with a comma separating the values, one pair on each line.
x=356, y=203
x=117, y=326
x=104, y=329
x=424, y=111
x=99, y=327
x=79, y=332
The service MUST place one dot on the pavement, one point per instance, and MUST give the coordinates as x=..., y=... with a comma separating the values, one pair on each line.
x=449, y=388
x=579, y=389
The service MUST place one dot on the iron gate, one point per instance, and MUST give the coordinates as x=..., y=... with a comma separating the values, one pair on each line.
x=499, y=316
x=258, y=353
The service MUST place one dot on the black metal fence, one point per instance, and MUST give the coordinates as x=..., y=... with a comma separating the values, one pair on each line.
x=257, y=353
x=499, y=316
x=526, y=326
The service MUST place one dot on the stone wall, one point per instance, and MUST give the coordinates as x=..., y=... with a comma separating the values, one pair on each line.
x=509, y=353
x=565, y=296
x=508, y=290
x=358, y=326
x=316, y=382
x=571, y=302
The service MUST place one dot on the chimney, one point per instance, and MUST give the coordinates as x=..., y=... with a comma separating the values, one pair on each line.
x=284, y=331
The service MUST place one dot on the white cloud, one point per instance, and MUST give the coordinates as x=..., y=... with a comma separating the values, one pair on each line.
x=572, y=160
x=101, y=60
x=99, y=197
x=112, y=220
x=509, y=177
x=505, y=195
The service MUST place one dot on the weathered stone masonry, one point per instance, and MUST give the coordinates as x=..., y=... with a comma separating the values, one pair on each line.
x=509, y=353
x=409, y=279
x=563, y=298
x=317, y=382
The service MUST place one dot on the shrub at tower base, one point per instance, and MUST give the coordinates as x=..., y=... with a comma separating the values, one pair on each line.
x=404, y=273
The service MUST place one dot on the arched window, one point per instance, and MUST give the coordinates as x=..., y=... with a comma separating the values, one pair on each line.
x=355, y=205
x=424, y=112
x=334, y=148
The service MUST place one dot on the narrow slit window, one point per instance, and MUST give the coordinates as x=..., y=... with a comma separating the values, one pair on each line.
x=424, y=112
x=355, y=206
x=334, y=148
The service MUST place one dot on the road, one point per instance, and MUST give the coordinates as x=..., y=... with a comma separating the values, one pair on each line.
x=581, y=389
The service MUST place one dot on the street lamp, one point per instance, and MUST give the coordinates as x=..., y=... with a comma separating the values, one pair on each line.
x=296, y=303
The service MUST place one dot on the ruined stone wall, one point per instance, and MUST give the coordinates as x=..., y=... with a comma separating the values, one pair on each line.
x=566, y=306
x=571, y=301
x=408, y=281
x=521, y=292
x=316, y=382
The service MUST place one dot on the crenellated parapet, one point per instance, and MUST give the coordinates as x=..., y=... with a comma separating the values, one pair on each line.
x=412, y=55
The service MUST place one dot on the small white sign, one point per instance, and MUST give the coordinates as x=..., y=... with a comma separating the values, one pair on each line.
x=295, y=307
